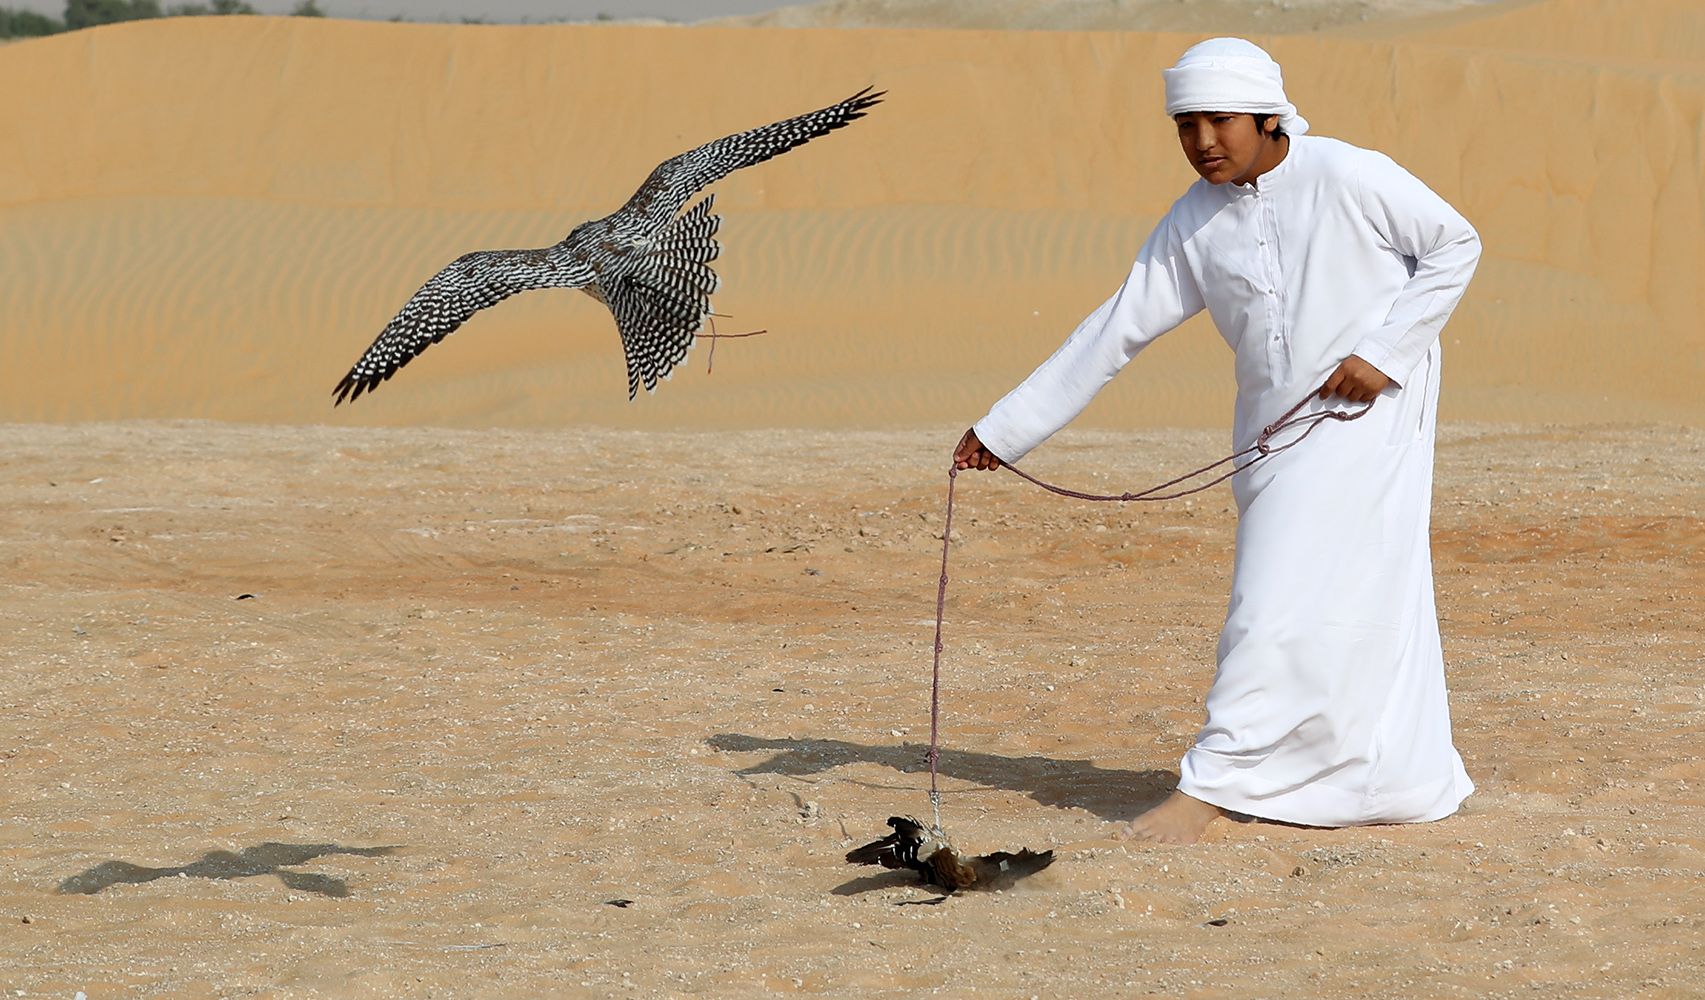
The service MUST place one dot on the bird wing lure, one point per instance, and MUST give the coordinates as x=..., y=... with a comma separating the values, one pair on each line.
x=649, y=265
x=914, y=846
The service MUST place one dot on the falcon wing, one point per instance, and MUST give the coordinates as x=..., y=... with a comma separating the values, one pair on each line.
x=675, y=180
x=472, y=282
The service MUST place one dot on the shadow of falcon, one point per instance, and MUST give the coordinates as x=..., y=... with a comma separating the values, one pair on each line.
x=648, y=265
x=914, y=846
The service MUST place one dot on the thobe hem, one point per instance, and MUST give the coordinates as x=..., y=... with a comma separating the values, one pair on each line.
x=1319, y=804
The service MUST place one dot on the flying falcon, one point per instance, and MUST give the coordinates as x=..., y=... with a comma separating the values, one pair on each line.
x=914, y=846
x=648, y=262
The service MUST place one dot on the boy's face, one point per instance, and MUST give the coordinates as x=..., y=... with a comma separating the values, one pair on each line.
x=1226, y=147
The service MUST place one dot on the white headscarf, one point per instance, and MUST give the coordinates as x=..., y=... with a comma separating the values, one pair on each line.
x=1230, y=74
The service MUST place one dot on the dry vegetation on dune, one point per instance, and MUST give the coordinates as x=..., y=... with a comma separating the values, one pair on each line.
x=1209, y=16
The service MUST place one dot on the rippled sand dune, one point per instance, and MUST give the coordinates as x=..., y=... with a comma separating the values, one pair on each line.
x=213, y=217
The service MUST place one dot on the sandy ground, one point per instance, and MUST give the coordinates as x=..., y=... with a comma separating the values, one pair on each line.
x=302, y=711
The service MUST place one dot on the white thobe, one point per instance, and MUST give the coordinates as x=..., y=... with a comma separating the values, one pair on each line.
x=1328, y=705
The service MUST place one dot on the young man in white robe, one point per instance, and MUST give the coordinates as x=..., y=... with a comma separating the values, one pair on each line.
x=1329, y=270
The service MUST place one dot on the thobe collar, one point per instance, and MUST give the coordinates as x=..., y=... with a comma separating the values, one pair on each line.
x=1272, y=179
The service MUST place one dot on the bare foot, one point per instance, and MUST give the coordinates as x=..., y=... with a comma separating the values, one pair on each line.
x=1178, y=820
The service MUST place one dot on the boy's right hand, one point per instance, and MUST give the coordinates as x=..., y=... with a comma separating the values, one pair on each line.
x=972, y=455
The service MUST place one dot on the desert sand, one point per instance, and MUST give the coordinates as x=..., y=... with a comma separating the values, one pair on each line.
x=495, y=684
x=488, y=682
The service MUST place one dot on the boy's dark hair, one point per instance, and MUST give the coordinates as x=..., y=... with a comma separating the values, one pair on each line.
x=1261, y=126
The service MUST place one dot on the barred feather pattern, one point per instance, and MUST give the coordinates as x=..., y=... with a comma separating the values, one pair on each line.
x=648, y=264
x=661, y=303
x=676, y=180
x=472, y=282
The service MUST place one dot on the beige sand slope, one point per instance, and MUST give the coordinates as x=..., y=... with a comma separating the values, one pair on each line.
x=211, y=218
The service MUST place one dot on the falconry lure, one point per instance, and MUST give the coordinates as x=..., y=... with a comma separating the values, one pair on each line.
x=648, y=262
x=915, y=847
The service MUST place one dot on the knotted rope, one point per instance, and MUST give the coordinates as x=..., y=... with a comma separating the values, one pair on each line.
x=1261, y=449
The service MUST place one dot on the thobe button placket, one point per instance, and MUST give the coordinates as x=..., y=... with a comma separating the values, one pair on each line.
x=1278, y=358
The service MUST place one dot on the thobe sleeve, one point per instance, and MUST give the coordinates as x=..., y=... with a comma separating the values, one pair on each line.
x=1441, y=248
x=1159, y=294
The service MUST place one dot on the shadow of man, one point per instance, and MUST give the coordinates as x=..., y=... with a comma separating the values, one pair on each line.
x=1109, y=793
x=265, y=859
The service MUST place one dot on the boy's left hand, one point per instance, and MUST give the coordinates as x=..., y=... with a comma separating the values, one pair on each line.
x=1355, y=380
